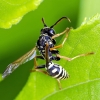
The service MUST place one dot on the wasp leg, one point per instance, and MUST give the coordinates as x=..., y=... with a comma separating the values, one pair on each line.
x=38, y=69
x=38, y=56
x=70, y=59
x=59, y=34
x=59, y=84
x=42, y=71
x=35, y=62
x=61, y=45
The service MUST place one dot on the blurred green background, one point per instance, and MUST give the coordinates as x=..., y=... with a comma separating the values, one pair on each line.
x=20, y=38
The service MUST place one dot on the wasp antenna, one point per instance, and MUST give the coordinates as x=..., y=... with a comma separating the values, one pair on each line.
x=44, y=22
x=60, y=20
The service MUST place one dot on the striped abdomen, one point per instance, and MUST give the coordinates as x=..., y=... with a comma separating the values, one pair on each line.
x=57, y=71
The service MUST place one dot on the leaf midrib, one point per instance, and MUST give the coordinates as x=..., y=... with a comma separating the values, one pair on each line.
x=69, y=87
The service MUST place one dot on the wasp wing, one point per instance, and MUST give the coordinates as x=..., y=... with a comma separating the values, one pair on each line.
x=25, y=58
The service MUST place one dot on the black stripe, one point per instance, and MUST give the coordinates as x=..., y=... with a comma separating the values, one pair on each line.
x=64, y=76
x=60, y=74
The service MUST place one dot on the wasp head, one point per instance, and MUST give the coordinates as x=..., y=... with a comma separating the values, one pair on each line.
x=49, y=31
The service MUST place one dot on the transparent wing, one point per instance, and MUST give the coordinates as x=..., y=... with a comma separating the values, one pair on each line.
x=25, y=58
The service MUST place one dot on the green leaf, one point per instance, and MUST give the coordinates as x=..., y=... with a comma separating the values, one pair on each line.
x=12, y=11
x=84, y=81
x=83, y=91
x=88, y=9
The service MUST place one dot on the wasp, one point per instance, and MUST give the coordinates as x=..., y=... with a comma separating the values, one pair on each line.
x=47, y=34
x=46, y=45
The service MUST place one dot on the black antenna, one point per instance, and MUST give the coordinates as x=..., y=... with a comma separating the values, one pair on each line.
x=60, y=20
x=44, y=22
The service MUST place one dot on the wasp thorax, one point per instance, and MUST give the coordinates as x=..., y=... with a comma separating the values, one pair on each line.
x=48, y=31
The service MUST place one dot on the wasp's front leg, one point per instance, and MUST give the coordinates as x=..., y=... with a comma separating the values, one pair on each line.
x=57, y=35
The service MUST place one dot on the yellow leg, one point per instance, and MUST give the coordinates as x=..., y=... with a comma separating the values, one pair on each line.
x=37, y=69
x=59, y=84
x=59, y=34
x=55, y=47
x=70, y=59
x=61, y=45
x=35, y=63
x=41, y=71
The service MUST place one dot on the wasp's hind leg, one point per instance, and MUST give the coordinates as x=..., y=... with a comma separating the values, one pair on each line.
x=38, y=68
x=35, y=62
x=59, y=84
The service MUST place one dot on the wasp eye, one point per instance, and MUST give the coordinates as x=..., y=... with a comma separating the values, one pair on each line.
x=51, y=32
